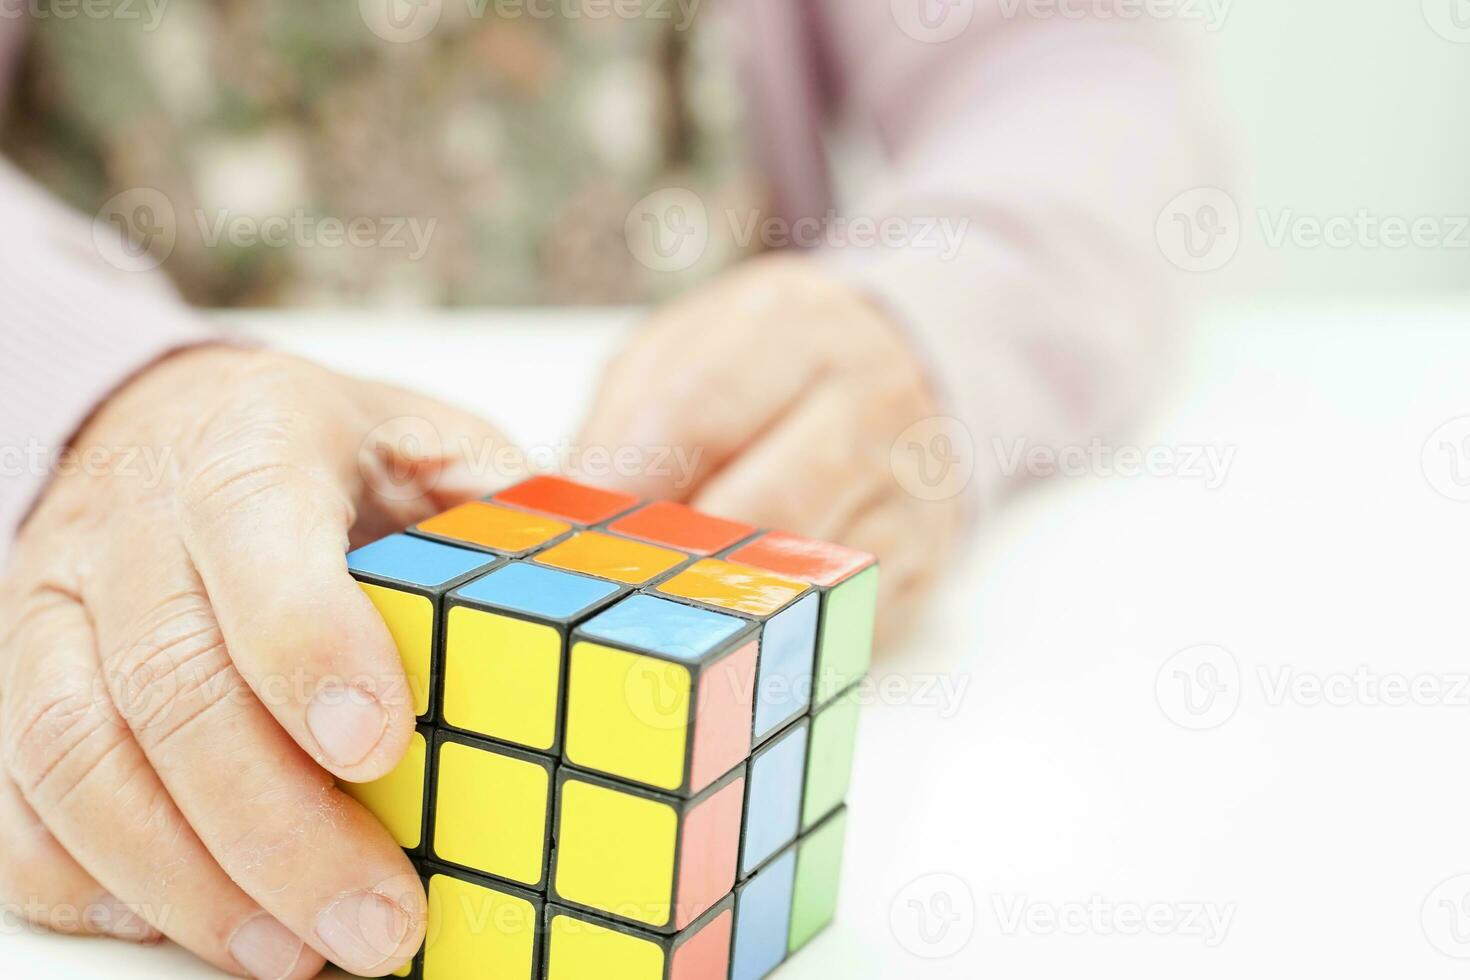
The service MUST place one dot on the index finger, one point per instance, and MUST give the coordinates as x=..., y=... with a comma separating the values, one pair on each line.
x=265, y=519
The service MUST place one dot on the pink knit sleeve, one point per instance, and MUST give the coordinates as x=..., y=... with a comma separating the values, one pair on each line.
x=1031, y=158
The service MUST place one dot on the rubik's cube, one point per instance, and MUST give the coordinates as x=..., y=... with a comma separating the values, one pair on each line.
x=637, y=725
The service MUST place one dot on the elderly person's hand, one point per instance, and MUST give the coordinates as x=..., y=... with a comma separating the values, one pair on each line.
x=791, y=389
x=186, y=664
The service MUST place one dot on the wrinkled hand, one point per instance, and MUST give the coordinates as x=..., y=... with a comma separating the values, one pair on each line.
x=788, y=389
x=185, y=664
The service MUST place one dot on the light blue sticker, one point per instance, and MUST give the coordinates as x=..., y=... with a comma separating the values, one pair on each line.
x=537, y=590
x=427, y=564
x=672, y=629
x=773, y=803
x=762, y=919
x=784, y=680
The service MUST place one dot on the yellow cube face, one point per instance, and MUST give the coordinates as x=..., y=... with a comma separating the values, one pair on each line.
x=398, y=798
x=578, y=949
x=502, y=677
x=477, y=930
x=615, y=851
x=410, y=620
x=492, y=810
x=627, y=715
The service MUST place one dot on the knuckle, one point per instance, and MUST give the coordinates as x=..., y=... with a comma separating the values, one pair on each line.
x=59, y=737
x=174, y=668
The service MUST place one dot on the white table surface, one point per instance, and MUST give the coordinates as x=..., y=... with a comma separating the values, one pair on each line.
x=1036, y=826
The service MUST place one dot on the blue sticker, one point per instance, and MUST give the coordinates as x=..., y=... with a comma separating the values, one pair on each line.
x=672, y=629
x=763, y=919
x=788, y=649
x=427, y=564
x=537, y=590
x=773, y=805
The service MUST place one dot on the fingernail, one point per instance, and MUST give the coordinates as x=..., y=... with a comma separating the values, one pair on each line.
x=362, y=930
x=116, y=919
x=265, y=949
x=347, y=723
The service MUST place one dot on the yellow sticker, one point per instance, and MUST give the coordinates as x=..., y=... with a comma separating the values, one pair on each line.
x=627, y=714
x=502, y=677
x=580, y=949
x=397, y=799
x=476, y=931
x=615, y=852
x=410, y=620
x=490, y=812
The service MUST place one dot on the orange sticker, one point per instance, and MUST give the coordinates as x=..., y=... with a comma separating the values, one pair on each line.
x=575, y=502
x=726, y=585
x=488, y=526
x=608, y=556
x=804, y=558
x=677, y=526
